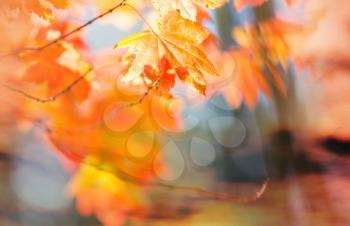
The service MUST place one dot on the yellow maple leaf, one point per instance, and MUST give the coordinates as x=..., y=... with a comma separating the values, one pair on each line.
x=178, y=40
x=187, y=8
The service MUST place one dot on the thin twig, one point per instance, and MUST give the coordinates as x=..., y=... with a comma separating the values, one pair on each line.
x=203, y=193
x=51, y=98
x=154, y=86
x=66, y=35
x=217, y=195
x=139, y=181
x=49, y=128
x=211, y=195
x=142, y=18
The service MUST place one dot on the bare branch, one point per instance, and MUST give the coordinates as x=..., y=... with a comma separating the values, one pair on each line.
x=51, y=98
x=154, y=86
x=204, y=194
x=66, y=35
x=211, y=195
x=216, y=195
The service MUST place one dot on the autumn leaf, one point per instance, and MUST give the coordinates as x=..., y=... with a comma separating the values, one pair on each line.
x=178, y=40
x=277, y=33
x=187, y=8
x=165, y=72
x=250, y=79
x=109, y=181
x=109, y=132
x=50, y=67
x=274, y=35
x=273, y=48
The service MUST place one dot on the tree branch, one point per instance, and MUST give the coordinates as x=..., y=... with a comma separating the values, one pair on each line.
x=66, y=35
x=204, y=194
x=154, y=86
x=210, y=195
x=132, y=179
x=51, y=98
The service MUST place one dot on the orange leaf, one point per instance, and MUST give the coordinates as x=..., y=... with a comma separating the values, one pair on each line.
x=45, y=68
x=178, y=40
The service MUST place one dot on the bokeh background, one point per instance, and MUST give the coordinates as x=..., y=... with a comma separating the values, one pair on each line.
x=301, y=144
